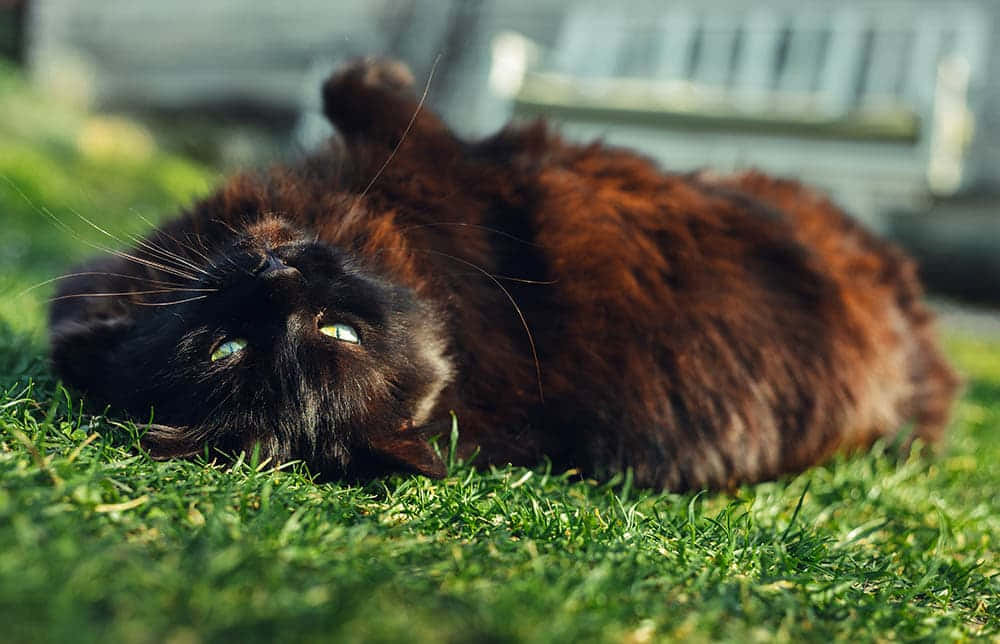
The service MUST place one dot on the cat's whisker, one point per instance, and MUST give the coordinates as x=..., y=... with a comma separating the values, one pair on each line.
x=138, y=260
x=187, y=247
x=116, y=253
x=96, y=227
x=61, y=225
x=151, y=264
x=406, y=132
x=95, y=273
x=165, y=254
x=521, y=280
x=513, y=302
x=169, y=258
x=245, y=223
x=461, y=224
x=190, y=247
x=190, y=299
x=196, y=238
x=228, y=227
x=119, y=239
x=129, y=293
x=160, y=248
x=144, y=262
x=42, y=210
x=179, y=271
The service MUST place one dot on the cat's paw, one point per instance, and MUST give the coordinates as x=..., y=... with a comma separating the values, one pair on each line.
x=370, y=73
x=373, y=98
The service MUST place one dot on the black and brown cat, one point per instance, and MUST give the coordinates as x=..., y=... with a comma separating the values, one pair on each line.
x=567, y=301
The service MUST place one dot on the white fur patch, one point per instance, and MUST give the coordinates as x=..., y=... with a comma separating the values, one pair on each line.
x=432, y=353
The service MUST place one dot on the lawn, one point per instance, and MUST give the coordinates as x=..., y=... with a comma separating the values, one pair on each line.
x=100, y=543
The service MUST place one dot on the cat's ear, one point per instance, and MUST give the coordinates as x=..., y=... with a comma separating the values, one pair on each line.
x=409, y=452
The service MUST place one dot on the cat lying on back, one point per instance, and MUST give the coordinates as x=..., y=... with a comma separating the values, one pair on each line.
x=566, y=301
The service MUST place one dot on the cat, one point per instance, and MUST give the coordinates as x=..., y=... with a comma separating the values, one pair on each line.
x=565, y=301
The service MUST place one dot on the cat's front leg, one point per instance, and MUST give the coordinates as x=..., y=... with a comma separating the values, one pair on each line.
x=373, y=99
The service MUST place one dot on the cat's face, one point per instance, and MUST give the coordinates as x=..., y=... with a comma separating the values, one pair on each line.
x=296, y=348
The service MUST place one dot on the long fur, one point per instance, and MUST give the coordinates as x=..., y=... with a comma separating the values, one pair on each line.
x=567, y=301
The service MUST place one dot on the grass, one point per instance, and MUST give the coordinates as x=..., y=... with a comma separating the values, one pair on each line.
x=100, y=543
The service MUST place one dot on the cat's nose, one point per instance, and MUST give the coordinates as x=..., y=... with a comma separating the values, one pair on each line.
x=271, y=267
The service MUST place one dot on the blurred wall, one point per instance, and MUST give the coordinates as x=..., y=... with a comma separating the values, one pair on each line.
x=223, y=54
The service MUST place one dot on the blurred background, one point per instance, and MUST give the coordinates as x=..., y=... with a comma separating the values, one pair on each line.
x=892, y=106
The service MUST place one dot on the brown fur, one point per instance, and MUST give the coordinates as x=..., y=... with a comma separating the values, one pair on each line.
x=703, y=331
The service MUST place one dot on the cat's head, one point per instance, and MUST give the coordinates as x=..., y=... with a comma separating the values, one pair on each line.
x=293, y=345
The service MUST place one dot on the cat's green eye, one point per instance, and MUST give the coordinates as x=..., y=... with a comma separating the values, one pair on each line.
x=342, y=332
x=229, y=348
